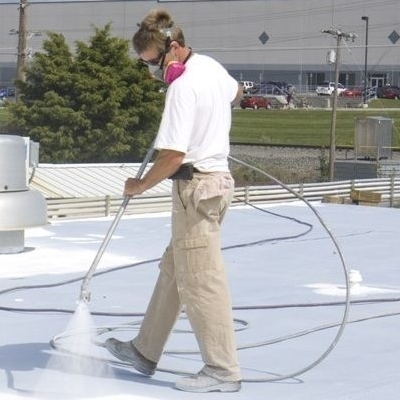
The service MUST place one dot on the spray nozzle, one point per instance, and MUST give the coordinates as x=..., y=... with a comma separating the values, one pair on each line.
x=84, y=296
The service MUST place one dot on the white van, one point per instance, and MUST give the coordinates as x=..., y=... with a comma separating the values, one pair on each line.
x=248, y=86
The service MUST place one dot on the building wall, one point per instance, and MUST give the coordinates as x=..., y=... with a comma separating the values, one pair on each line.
x=232, y=32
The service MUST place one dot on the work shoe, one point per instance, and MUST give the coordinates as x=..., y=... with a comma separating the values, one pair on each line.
x=126, y=351
x=202, y=383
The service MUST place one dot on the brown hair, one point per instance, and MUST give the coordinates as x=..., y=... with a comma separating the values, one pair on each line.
x=153, y=31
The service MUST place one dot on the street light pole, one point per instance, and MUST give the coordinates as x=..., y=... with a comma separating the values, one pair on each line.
x=365, y=99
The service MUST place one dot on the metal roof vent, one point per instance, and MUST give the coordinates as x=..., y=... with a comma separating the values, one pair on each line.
x=20, y=207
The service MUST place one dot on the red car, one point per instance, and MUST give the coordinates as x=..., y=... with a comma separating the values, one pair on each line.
x=390, y=92
x=255, y=102
x=353, y=92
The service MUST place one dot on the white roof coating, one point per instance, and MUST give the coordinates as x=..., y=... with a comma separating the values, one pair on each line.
x=289, y=293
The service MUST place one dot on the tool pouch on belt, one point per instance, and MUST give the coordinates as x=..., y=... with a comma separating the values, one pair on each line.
x=184, y=172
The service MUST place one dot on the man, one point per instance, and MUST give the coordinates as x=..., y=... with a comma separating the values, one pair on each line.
x=193, y=146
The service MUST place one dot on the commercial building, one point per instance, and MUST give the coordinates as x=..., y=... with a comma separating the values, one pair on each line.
x=257, y=40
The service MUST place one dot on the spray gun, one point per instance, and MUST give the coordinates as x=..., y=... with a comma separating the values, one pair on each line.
x=85, y=294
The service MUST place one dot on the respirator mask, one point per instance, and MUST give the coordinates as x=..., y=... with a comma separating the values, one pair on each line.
x=173, y=70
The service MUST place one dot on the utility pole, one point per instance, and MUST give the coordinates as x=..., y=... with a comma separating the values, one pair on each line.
x=22, y=32
x=332, y=149
x=23, y=36
x=365, y=97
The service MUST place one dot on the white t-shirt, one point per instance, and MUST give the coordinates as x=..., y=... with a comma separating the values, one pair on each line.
x=197, y=114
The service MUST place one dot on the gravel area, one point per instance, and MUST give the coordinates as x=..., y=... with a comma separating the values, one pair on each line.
x=288, y=164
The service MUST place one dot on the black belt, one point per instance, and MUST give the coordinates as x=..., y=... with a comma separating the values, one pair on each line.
x=185, y=172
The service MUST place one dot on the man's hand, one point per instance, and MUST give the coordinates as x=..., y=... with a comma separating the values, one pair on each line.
x=133, y=186
x=166, y=163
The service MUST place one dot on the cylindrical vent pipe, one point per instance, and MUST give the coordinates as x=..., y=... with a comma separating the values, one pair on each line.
x=20, y=207
x=12, y=163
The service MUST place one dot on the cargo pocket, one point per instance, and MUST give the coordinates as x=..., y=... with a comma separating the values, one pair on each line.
x=196, y=254
x=215, y=185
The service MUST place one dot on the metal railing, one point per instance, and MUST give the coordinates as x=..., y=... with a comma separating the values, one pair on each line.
x=389, y=188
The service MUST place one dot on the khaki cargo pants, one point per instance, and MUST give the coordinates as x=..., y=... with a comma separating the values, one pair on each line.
x=192, y=277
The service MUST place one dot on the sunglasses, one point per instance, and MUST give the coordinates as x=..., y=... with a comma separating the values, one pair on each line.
x=161, y=57
x=155, y=61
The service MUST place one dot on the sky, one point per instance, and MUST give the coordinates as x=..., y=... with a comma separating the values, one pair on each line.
x=304, y=331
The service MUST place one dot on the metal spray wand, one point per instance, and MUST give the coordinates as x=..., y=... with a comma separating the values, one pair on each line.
x=85, y=294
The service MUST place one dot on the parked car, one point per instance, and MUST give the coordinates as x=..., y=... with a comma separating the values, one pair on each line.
x=6, y=92
x=327, y=88
x=255, y=102
x=248, y=86
x=3, y=93
x=352, y=92
x=11, y=91
x=389, y=92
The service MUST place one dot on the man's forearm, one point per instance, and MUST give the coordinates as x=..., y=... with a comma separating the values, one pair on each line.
x=166, y=163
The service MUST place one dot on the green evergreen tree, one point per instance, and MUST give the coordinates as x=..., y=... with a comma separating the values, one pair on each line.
x=96, y=105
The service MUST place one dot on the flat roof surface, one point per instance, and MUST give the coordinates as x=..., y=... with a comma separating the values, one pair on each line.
x=288, y=286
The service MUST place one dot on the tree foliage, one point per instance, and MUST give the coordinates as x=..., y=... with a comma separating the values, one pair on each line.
x=96, y=105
